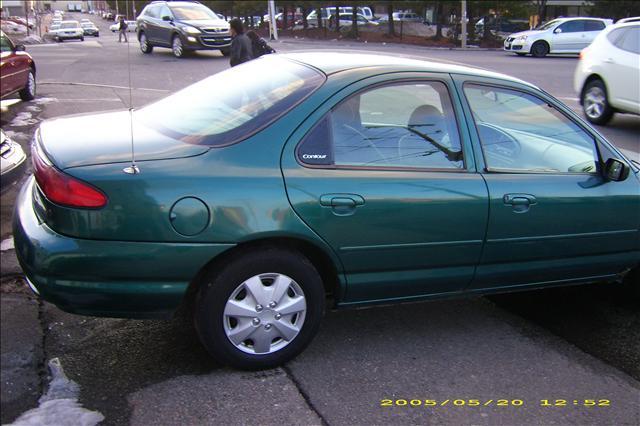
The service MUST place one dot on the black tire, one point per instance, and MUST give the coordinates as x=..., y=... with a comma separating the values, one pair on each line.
x=29, y=91
x=218, y=286
x=631, y=283
x=145, y=46
x=81, y=38
x=595, y=102
x=177, y=52
x=225, y=52
x=540, y=49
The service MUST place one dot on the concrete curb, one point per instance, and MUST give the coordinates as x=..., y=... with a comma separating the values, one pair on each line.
x=353, y=43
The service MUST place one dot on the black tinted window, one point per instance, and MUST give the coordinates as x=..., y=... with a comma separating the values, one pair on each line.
x=593, y=25
x=316, y=146
x=5, y=44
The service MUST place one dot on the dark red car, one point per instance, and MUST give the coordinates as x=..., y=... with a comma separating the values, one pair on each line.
x=17, y=70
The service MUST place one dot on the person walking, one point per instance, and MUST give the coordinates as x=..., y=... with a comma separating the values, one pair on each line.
x=258, y=45
x=241, y=49
x=122, y=30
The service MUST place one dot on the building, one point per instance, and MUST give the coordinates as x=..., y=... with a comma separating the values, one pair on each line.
x=12, y=8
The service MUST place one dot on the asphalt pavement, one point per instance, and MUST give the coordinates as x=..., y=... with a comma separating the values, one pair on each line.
x=533, y=358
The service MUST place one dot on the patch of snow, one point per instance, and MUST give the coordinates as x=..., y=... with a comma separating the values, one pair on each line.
x=59, y=406
x=7, y=244
x=33, y=108
x=23, y=119
x=16, y=136
x=31, y=39
x=44, y=101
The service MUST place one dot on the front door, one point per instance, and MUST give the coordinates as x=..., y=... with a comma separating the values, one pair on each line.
x=568, y=37
x=553, y=217
x=381, y=175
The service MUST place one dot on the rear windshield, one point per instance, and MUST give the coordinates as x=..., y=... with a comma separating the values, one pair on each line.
x=69, y=25
x=233, y=104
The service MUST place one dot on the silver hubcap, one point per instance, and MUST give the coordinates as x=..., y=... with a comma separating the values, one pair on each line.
x=177, y=46
x=31, y=85
x=265, y=313
x=594, y=102
x=143, y=42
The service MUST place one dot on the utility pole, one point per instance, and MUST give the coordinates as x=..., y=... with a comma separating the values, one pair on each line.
x=26, y=16
x=464, y=24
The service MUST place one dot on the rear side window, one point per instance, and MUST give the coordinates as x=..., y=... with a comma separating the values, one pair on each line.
x=232, y=105
x=520, y=132
x=401, y=125
x=631, y=40
x=593, y=25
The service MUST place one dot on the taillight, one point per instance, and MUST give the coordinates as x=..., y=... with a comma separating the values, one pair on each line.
x=61, y=188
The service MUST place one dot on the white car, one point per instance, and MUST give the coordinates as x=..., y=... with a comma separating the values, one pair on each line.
x=403, y=17
x=69, y=30
x=563, y=35
x=608, y=74
x=131, y=26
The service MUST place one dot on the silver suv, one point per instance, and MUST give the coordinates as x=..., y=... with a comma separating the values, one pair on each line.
x=563, y=35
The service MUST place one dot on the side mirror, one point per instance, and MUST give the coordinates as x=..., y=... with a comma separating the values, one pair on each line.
x=166, y=18
x=557, y=31
x=615, y=170
x=20, y=48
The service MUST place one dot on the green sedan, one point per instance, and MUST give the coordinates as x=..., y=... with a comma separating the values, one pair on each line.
x=249, y=197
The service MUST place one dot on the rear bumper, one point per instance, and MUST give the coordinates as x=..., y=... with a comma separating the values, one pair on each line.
x=104, y=278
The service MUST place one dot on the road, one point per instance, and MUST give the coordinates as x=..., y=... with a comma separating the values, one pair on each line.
x=572, y=344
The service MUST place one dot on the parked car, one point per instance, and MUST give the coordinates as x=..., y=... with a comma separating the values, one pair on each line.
x=563, y=35
x=69, y=30
x=346, y=20
x=403, y=17
x=333, y=173
x=607, y=77
x=89, y=29
x=131, y=26
x=17, y=70
x=183, y=27
x=20, y=20
x=497, y=25
x=12, y=162
x=326, y=12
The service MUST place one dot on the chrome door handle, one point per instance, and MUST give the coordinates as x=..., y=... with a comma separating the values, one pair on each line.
x=342, y=204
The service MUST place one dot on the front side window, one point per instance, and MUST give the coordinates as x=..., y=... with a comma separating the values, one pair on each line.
x=164, y=11
x=402, y=125
x=520, y=132
x=231, y=105
x=572, y=26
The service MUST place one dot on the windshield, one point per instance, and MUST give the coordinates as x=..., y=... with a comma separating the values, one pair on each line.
x=548, y=25
x=69, y=25
x=193, y=13
x=87, y=25
x=233, y=104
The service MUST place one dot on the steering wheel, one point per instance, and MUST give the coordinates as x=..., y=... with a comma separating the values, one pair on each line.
x=368, y=141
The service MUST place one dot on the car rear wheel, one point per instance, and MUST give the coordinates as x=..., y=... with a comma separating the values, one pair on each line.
x=540, y=49
x=145, y=46
x=29, y=91
x=261, y=309
x=595, y=103
x=176, y=47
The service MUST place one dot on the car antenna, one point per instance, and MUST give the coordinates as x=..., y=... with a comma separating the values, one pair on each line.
x=132, y=169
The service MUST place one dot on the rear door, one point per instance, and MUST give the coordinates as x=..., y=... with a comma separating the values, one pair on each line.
x=553, y=216
x=384, y=174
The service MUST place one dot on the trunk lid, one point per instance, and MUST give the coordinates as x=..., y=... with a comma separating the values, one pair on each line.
x=105, y=138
